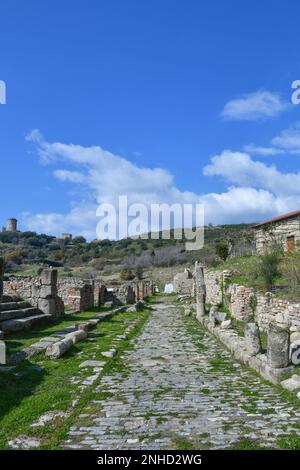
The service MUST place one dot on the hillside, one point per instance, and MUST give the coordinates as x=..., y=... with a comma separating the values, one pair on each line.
x=28, y=252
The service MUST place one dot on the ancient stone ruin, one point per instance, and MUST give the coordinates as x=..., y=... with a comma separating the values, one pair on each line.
x=200, y=290
x=183, y=282
x=17, y=313
x=258, y=312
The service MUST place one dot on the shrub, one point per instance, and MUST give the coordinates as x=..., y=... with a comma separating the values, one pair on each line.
x=139, y=272
x=222, y=250
x=268, y=268
x=126, y=275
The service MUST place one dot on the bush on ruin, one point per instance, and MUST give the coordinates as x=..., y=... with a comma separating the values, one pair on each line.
x=268, y=268
x=126, y=275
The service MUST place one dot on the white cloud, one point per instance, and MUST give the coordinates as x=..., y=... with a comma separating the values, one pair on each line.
x=289, y=140
x=262, y=151
x=256, y=191
x=254, y=106
x=239, y=168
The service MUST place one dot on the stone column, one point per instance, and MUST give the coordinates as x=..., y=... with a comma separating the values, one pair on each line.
x=200, y=290
x=1, y=277
x=278, y=346
x=47, y=299
x=252, y=335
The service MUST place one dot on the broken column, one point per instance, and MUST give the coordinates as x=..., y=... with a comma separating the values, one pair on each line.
x=1, y=277
x=2, y=353
x=278, y=346
x=46, y=292
x=252, y=336
x=200, y=290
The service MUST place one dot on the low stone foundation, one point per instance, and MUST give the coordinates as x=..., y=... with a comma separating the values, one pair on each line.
x=244, y=302
x=239, y=348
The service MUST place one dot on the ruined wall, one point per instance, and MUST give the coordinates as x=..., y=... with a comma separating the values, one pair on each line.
x=41, y=292
x=183, y=282
x=18, y=286
x=240, y=301
x=243, y=302
x=77, y=293
x=213, y=282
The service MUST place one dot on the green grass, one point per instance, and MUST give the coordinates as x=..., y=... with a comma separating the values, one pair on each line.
x=18, y=341
x=28, y=392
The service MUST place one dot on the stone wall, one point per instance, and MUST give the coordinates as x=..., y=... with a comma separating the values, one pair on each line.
x=18, y=286
x=41, y=292
x=183, y=282
x=240, y=300
x=77, y=293
x=80, y=294
x=213, y=282
x=243, y=302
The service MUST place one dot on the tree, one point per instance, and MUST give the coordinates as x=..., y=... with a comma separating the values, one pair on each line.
x=126, y=275
x=79, y=239
x=222, y=250
x=268, y=268
x=139, y=272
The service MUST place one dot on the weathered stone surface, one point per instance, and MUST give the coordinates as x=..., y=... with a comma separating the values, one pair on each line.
x=278, y=346
x=183, y=282
x=24, y=442
x=56, y=350
x=200, y=290
x=77, y=336
x=226, y=324
x=252, y=336
x=294, y=336
x=110, y=353
x=85, y=364
x=49, y=277
x=2, y=353
x=291, y=384
x=172, y=387
x=82, y=326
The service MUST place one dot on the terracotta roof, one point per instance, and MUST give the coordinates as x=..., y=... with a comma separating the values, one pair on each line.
x=278, y=218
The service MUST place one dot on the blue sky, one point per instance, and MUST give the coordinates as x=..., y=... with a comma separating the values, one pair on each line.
x=166, y=101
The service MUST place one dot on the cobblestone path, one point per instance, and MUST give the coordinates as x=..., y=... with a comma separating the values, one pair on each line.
x=179, y=387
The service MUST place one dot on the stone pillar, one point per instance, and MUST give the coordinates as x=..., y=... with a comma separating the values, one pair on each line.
x=213, y=315
x=252, y=335
x=278, y=346
x=1, y=277
x=200, y=290
x=46, y=293
x=2, y=353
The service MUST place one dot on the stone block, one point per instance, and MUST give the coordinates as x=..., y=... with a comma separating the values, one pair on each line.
x=48, y=277
x=82, y=326
x=226, y=324
x=252, y=337
x=56, y=350
x=291, y=384
x=47, y=306
x=278, y=346
x=76, y=336
x=2, y=353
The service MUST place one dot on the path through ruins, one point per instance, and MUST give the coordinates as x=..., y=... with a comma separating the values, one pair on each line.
x=180, y=388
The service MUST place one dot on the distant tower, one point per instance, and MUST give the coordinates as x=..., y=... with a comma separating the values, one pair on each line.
x=66, y=236
x=11, y=225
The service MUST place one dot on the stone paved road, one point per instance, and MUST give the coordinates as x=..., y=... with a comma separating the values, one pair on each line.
x=178, y=385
